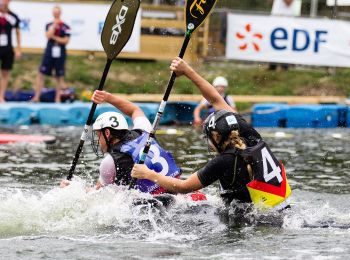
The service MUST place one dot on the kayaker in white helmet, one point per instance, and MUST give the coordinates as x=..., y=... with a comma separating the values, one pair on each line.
x=221, y=85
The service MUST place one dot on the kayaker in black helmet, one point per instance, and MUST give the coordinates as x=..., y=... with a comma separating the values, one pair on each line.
x=244, y=165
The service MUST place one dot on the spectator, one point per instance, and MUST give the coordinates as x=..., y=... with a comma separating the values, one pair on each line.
x=8, y=21
x=285, y=8
x=57, y=33
x=221, y=85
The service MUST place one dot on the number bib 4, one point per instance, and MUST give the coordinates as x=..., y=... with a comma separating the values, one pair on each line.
x=269, y=187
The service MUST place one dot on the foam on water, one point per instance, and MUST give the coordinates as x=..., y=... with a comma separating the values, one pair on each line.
x=107, y=219
x=74, y=211
x=71, y=223
x=319, y=211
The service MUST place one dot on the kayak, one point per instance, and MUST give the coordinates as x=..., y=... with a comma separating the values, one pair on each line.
x=166, y=199
x=16, y=138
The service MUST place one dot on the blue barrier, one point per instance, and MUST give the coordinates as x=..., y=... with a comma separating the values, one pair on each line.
x=269, y=115
x=4, y=115
x=53, y=115
x=264, y=115
x=343, y=113
x=314, y=116
x=78, y=113
x=21, y=115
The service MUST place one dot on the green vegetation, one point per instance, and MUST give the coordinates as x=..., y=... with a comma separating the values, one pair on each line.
x=128, y=76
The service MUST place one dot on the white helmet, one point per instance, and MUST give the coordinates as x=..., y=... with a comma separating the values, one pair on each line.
x=220, y=81
x=113, y=120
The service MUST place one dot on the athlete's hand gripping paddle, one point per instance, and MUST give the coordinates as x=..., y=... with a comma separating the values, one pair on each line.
x=116, y=32
x=196, y=12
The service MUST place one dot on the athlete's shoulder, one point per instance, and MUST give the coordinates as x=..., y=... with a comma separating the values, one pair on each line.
x=13, y=14
x=136, y=133
x=13, y=19
x=48, y=24
x=66, y=27
x=142, y=123
x=222, y=159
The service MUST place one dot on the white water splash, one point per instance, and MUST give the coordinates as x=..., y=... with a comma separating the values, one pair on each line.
x=73, y=211
x=319, y=211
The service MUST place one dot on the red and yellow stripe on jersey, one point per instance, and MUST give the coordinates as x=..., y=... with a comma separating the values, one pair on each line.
x=266, y=195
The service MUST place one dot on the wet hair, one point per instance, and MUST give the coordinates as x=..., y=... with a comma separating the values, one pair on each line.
x=115, y=135
x=234, y=140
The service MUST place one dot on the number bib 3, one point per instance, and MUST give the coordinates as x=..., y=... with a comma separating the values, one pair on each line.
x=158, y=159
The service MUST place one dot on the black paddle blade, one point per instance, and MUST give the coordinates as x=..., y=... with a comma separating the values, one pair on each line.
x=197, y=11
x=118, y=26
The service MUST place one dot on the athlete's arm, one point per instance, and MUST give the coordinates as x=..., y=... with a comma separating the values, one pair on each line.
x=123, y=105
x=107, y=172
x=141, y=171
x=180, y=67
x=50, y=31
x=19, y=46
x=197, y=113
x=61, y=40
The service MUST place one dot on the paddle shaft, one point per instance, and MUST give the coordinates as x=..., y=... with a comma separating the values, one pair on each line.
x=161, y=108
x=88, y=122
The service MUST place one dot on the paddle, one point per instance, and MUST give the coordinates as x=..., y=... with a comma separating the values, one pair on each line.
x=115, y=34
x=196, y=12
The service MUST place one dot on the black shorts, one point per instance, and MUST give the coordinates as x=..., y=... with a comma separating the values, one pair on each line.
x=7, y=57
x=49, y=63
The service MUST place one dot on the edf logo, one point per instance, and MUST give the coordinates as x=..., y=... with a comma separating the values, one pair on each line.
x=25, y=24
x=300, y=39
x=281, y=39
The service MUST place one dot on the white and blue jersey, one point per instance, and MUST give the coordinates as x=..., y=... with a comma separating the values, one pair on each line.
x=157, y=159
x=119, y=161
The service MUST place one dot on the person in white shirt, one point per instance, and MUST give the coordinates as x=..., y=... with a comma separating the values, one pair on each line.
x=221, y=84
x=284, y=8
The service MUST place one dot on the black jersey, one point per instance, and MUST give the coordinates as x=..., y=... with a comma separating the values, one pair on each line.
x=248, y=133
x=231, y=171
x=8, y=21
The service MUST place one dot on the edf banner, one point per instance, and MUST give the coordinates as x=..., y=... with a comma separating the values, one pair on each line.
x=318, y=42
x=85, y=20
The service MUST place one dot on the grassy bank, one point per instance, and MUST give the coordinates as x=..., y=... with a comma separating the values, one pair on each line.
x=128, y=76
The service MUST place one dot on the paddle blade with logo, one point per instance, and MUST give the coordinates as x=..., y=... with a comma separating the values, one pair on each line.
x=118, y=26
x=197, y=11
x=115, y=34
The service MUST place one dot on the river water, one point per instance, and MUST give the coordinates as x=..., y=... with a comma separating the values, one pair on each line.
x=38, y=220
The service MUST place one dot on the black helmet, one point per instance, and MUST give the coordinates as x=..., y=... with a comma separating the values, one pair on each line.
x=222, y=122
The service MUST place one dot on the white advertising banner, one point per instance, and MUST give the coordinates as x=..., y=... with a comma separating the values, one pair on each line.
x=85, y=20
x=339, y=2
x=318, y=42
